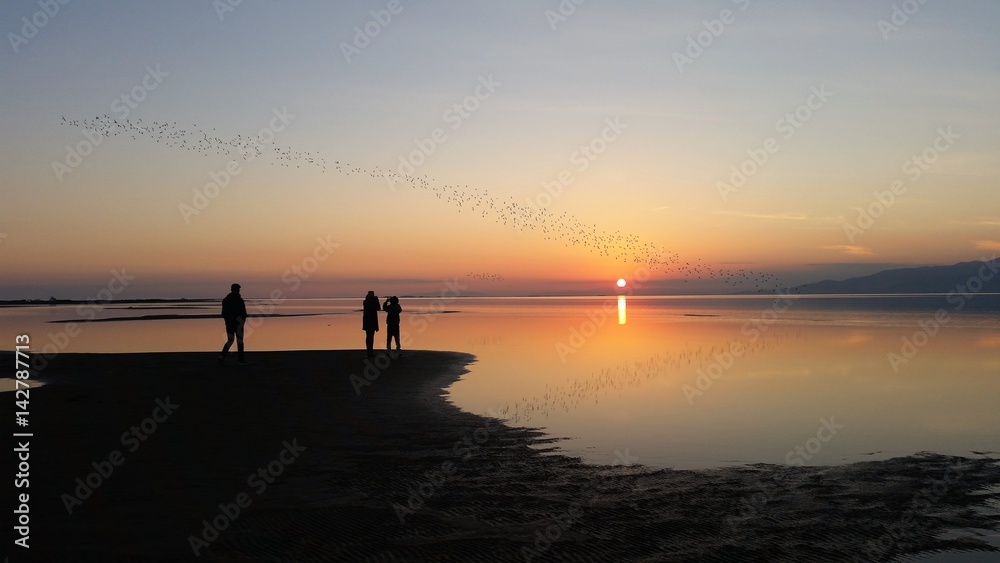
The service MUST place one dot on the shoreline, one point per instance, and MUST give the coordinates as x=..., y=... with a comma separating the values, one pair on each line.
x=213, y=316
x=385, y=467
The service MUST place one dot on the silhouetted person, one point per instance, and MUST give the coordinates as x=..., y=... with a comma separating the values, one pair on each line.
x=392, y=309
x=369, y=321
x=234, y=312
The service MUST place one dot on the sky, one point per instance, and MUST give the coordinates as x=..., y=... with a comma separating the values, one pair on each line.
x=673, y=144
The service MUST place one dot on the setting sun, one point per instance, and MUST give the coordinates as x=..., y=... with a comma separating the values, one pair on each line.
x=621, y=282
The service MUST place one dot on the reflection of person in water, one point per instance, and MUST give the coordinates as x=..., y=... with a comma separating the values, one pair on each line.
x=234, y=312
x=392, y=309
x=369, y=321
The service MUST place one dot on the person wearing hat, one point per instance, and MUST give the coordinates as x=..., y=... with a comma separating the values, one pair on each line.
x=234, y=312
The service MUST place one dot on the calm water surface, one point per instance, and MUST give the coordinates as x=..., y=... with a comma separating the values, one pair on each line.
x=667, y=382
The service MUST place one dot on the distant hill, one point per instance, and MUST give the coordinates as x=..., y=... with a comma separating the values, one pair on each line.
x=926, y=279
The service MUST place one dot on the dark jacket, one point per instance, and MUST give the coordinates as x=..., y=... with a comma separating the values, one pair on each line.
x=369, y=321
x=392, y=316
x=233, y=308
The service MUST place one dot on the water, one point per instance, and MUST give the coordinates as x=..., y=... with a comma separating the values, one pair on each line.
x=665, y=382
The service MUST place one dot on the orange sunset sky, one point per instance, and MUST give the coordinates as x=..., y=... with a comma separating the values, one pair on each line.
x=647, y=111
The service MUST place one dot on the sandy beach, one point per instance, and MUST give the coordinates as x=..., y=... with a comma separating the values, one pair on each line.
x=301, y=457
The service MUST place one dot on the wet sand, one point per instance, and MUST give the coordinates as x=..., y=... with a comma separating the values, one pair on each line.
x=284, y=460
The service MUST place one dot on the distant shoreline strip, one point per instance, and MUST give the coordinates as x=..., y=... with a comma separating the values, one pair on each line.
x=187, y=317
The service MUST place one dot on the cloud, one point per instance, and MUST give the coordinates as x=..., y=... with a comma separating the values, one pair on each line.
x=988, y=244
x=851, y=249
x=980, y=223
x=782, y=216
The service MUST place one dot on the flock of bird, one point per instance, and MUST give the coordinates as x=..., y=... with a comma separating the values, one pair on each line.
x=738, y=277
x=485, y=277
x=507, y=211
x=561, y=227
x=197, y=140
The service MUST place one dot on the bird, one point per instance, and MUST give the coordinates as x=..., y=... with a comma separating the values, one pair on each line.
x=562, y=228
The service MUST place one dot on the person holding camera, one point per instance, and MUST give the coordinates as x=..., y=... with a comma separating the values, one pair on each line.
x=392, y=309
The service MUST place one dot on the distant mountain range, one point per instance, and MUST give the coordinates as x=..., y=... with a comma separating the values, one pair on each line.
x=964, y=276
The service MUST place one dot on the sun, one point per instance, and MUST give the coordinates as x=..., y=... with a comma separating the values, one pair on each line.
x=621, y=282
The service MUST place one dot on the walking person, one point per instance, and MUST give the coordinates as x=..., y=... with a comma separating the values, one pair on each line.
x=234, y=313
x=369, y=321
x=392, y=309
